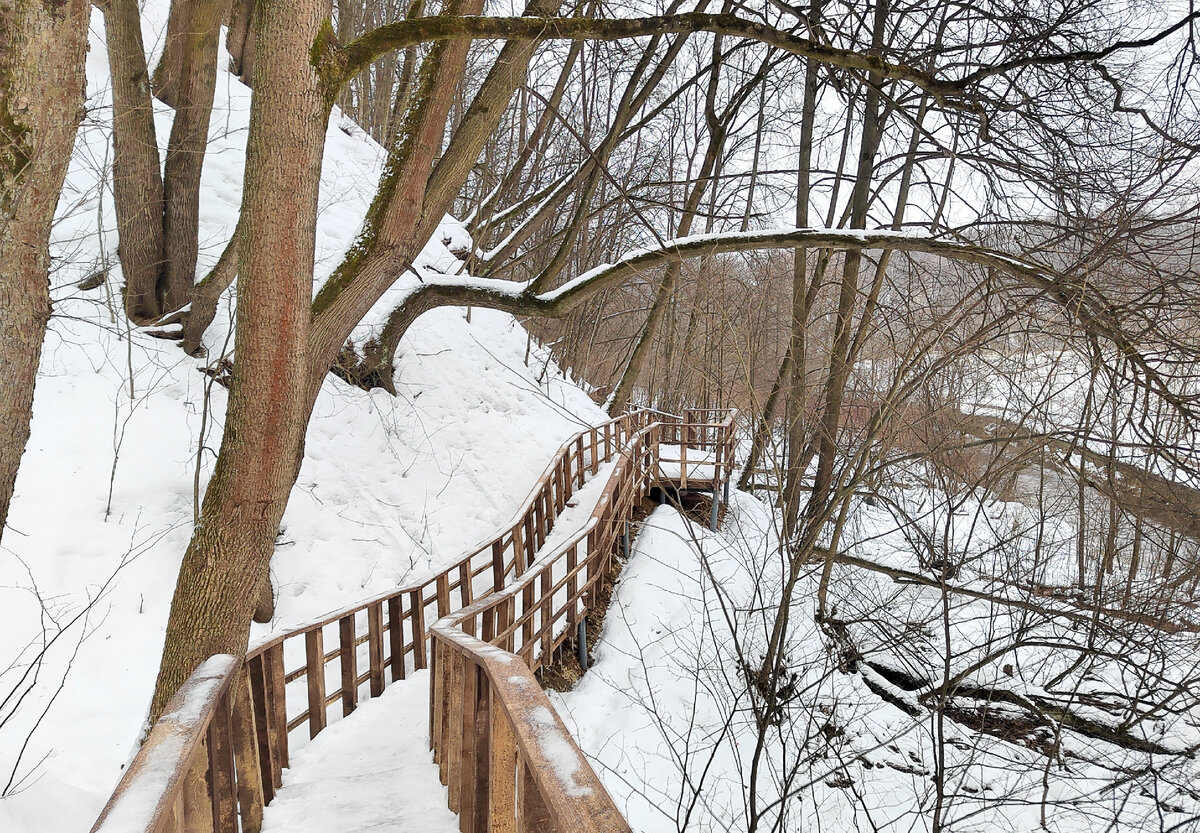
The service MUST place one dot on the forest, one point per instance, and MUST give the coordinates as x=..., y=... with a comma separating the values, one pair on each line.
x=599, y=417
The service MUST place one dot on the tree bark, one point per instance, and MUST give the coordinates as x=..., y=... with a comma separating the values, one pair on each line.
x=137, y=177
x=223, y=570
x=194, y=84
x=168, y=75
x=42, y=47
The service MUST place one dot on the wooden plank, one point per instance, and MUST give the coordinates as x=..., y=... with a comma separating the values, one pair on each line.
x=245, y=751
x=417, y=602
x=595, y=453
x=443, y=595
x=547, y=614
x=539, y=523
x=502, y=772
x=277, y=698
x=534, y=817
x=348, y=660
x=482, y=743
x=314, y=653
x=498, y=564
x=375, y=646
x=518, y=535
x=454, y=730
x=466, y=734
x=436, y=652
x=465, y=591
x=572, y=584
x=579, y=452
x=531, y=545
x=197, y=800
x=221, y=776
x=268, y=763
x=396, y=637
x=527, y=626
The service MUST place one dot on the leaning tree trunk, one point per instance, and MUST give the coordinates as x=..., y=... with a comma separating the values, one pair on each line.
x=226, y=562
x=42, y=47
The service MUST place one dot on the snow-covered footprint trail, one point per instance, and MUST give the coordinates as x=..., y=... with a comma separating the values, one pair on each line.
x=374, y=770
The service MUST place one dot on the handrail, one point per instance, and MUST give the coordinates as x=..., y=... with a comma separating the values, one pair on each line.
x=490, y=721
x=163, y=784
x=248, y=724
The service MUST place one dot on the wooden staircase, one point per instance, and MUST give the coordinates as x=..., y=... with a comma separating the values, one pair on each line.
x=483, y=626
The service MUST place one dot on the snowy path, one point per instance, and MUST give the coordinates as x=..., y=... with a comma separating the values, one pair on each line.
x=374, y=770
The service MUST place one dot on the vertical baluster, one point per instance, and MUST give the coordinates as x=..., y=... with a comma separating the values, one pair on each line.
x=547, y=614
x=482, y=751
x=277, y=691
x=538, y=515
x=267, y=757
x=396, y=637
x=314, y=657
x=595, y=452
x=572, y=586
x=466, y=735
x=498, y=564
x=531, y=543
x=443, y=595
x=197, y=800
x=245, y=751
x=416, y=600
x=579, y=471
x=518, y=535
x=533, y=815
x=527, y=626
x=348, y=659
x=375, y=646
x=465, y=591
x=502, y=771
x=221, y=768
x=436, y=695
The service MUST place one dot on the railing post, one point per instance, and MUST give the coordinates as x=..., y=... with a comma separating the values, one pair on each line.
x=396, y=637
x=502, y=771
x=250, y=790
x=314, y=656
x=221, y=777
x=375, y=646
x=348, y=660
x=417, y=601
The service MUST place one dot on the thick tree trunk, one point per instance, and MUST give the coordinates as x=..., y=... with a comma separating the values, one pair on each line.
x=137, y=177
x=221, y=578
x=42, y=46
x=194, y=83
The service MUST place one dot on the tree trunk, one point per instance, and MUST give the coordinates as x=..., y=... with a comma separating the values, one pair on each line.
x=240, y=41
x=195, y=83
x=223, y=570
x=137, y=178
x=42, y=47
x=168, y=75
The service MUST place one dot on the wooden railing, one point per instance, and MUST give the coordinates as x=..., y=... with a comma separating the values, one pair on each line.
x=229, y=753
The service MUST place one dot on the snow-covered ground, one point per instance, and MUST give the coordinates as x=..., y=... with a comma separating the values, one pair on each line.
x=665, y=711
x=390, y=487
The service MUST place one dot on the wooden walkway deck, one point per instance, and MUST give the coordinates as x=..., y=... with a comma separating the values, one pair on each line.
x=482, y=627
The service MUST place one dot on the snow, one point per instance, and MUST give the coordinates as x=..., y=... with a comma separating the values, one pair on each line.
x=374, y=772
x=664, y=712
x=390, y=489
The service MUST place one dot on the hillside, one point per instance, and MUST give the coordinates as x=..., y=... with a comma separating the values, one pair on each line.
x=390, y=487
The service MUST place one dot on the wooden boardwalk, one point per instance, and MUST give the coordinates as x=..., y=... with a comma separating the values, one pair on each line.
x=482, y=627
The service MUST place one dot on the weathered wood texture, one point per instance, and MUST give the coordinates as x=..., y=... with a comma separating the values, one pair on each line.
x=487, y=710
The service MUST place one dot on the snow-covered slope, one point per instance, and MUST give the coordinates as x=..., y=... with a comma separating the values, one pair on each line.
x=390, y=487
